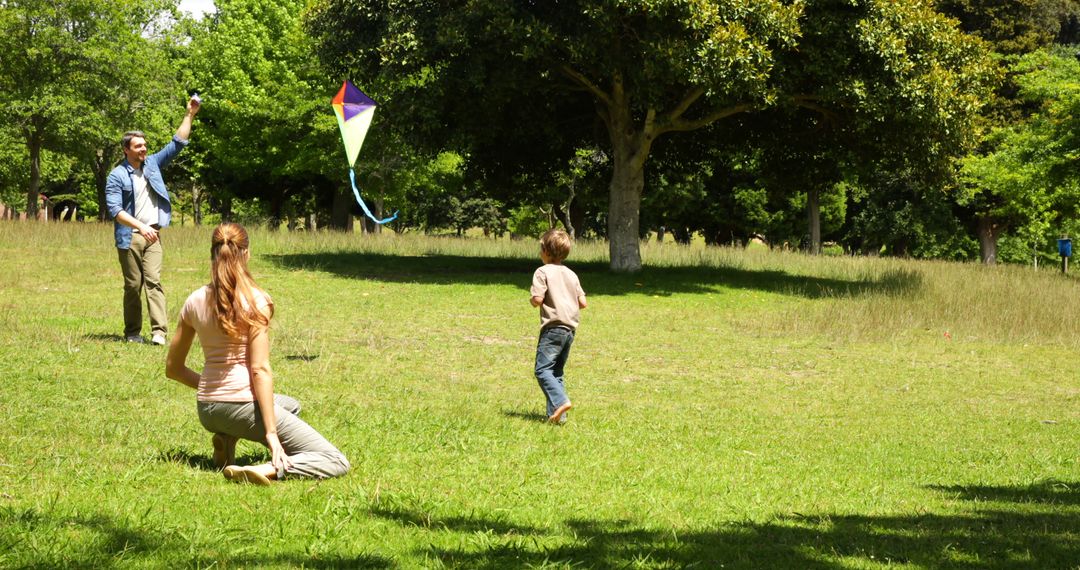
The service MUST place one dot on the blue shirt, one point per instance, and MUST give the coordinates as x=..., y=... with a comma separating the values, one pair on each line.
x=120, y=190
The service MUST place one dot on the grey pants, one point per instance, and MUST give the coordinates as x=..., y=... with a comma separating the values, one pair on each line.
x=311, y=455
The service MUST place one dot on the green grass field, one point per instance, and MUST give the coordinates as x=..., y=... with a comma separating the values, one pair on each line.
x=733, y=409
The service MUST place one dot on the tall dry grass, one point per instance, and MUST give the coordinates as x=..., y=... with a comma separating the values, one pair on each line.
x=846, y=298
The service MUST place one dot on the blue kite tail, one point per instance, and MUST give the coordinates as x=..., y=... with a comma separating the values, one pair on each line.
x=352, y=178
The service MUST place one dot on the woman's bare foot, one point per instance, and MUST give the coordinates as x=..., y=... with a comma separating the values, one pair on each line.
x=555, y=417
x=224, y=450
x=254, y=474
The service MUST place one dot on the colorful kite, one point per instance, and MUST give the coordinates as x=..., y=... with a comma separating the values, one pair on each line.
x=354, y=111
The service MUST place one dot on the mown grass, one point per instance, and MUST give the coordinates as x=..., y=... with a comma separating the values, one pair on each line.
x=736, y=409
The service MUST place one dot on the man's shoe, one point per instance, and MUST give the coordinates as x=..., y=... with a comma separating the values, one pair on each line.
x=159, y=339
x=134, y=338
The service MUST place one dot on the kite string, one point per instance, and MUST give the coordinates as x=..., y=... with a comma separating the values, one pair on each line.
x=352, y=179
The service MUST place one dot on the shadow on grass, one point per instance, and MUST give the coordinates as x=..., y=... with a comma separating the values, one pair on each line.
x=1011, y=536
x=464, y=524
x=107, y=541
x=102, y=337
x=1045, y=493
x=1028, y=528
x=527, y=416
x=206, y=462
x=302, y=357
x=599, y=280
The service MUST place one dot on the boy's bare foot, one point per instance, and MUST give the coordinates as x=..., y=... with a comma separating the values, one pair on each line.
x=555, y=417
x=248, y=474
x=224, y=450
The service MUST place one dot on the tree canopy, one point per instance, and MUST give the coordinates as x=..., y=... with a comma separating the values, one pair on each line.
x=76, y=70
x=628, y=72
x=908, y=128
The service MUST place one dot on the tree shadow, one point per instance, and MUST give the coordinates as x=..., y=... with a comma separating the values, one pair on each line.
x=599, y=279
x=527, y=416
x=1003, y=538
x=109, y=540
x=1050, y=492
x=1029, y=528
x=464, y=524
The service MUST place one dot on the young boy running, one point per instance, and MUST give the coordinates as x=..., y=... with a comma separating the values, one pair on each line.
x=558, y=293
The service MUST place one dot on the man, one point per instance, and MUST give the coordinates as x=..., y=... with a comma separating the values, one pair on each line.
x=138, y=201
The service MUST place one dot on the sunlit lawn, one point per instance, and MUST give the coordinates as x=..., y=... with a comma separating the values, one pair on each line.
x=736, y=409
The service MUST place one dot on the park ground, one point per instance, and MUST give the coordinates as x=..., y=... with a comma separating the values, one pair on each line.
x=733, y=409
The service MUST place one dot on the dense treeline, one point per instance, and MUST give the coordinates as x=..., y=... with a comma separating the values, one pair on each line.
x=930, y=129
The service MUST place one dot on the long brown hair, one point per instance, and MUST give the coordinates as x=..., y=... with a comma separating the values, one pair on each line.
x=231, y=285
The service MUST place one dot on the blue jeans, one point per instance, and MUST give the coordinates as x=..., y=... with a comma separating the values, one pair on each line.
x=552, y=350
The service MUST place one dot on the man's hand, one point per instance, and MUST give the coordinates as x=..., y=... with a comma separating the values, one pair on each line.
x=149, y=234
x=193, y=106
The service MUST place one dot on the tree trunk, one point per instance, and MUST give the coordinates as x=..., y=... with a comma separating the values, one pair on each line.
x=682, y=234
x=341, y=211
x=813, y=214
x=901, y=248
x=277, y=207
x=226, y=209
x=627, y=183
x=33, y=145
x=371, y=226
x=577, y=217
x=568, y=220
x=196, y=203
x=630, y=146
x=566, y=216
x=988, y=231
x=101, y=175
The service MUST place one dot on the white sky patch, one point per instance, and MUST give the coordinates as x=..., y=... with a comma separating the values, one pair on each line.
x=198, y=8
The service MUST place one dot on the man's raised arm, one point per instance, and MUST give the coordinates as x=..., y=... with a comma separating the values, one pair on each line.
x=184, y=131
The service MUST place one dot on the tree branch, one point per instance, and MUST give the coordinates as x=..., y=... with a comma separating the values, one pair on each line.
x=691, y=96
x=681, y=125
x=588, y=85
x=811, y=102
x=650, y=123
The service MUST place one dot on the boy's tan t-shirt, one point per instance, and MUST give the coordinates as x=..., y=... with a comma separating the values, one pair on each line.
x=560, y=289
x=225, y=375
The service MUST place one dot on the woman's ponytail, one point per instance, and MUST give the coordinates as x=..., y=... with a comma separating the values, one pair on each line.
x=232, y=289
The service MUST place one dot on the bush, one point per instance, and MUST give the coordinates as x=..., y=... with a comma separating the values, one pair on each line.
x=527, y=221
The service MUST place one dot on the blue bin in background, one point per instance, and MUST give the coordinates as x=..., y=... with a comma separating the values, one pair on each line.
x=1065, y=247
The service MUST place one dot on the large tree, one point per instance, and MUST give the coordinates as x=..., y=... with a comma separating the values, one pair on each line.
x=645, y=69
x=67, y=66
x=1015, y=26
x=267, y=126
x=989, y=207
x=1029, y=180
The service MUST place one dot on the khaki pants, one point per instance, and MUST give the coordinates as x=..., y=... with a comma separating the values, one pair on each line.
x=141, y=266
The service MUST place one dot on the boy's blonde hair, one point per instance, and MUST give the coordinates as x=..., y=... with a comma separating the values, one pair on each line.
x=556, y=243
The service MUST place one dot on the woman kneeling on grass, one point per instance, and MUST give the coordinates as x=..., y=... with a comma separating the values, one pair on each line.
x=236, y=396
